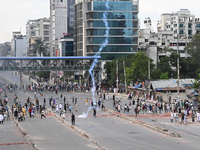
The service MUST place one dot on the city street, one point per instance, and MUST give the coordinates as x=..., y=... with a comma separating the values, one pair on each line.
x=106, y=129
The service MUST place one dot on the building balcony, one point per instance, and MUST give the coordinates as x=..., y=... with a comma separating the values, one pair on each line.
x=91, y=11
x=91, y=19
x=134, y=36
x=88, y=44
x=134, y=28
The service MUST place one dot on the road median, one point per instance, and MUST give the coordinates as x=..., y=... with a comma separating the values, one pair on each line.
x=150, y=126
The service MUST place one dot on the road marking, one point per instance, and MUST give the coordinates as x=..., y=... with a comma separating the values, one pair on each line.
x=18, y=143
x=1, y=81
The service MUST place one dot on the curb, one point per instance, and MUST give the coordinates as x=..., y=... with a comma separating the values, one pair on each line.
x=30, y=142
x=150, y=126
x=77, y=130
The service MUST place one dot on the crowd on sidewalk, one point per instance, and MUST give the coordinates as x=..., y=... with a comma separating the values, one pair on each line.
x=140, y=105
x=4, y=111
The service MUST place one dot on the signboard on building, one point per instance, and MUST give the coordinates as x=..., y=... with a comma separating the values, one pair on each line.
x=16, y=32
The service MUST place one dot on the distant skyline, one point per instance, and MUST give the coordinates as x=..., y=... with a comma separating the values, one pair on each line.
x=14, y=14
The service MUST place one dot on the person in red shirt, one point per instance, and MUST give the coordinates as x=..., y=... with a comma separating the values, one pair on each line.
x=30, y=110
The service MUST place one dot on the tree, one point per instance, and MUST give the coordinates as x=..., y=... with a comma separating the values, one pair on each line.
x=138, y=71
x=40, y=47
x=110, y=68
x=43, y=74
x=164, y=75
x=165, y=65
x=193, y=49
x=197, y=82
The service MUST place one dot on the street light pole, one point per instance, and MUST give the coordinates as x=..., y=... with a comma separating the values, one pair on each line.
x=125, y=75
x=178, y=67
x=149, y=75
x=117, y=74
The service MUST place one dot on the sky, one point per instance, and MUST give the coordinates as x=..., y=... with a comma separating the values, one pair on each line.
x=14, y=14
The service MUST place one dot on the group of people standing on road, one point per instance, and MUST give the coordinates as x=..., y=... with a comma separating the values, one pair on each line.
x=29, y=108
x=4, y=111
x=177, y=109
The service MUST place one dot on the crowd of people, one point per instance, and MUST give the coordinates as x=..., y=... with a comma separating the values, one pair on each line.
x=4, y=111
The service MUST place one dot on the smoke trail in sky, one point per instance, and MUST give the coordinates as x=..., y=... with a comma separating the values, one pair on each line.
x=105, y=42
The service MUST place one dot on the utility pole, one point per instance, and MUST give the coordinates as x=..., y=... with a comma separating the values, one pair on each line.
x=64, y=77
x=117, y=74
x=178, y=67
x=186, y=46
x=178, y=76
x=149, y=76
x=20, y=74
x=125, y=75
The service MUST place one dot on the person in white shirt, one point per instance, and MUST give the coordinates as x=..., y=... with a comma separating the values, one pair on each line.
x=197, y=117
x=60, y=105
x=107, y=97
x=175, y=117
x=172, y=117
x=1, y=118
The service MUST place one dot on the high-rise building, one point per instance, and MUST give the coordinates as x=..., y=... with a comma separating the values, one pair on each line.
x=18, y=44
x=39, y=28
x=90, y=29
x=61, y=17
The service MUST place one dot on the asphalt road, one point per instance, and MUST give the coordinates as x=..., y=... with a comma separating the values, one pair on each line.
x=11, y=138
x=109, y=131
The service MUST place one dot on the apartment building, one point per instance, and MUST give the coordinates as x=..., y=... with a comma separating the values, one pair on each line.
x=182, y=23
x=39, y=28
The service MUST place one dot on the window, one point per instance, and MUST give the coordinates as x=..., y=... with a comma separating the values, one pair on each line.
x=46, y=27
x=181, y=32
x=175, y=25
x=181, y=25
x=61, y=0
x=197, y=25
x=189, y=32
x=46, y=32
x=53, y=6
x=189, y=25
x=146, y=40
x=46, y=38
x=181, y=44
x=71, y=19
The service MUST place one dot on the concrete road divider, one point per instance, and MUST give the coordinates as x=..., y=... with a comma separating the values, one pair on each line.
x=159, y=129
x=77, y=130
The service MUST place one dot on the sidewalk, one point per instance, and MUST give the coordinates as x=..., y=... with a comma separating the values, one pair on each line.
x=11, y=138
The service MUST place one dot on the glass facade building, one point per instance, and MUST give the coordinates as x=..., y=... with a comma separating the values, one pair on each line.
x=122, y=19
x=70, y=18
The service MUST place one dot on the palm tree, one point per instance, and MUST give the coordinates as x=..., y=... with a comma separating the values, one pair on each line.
x=40, y=46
